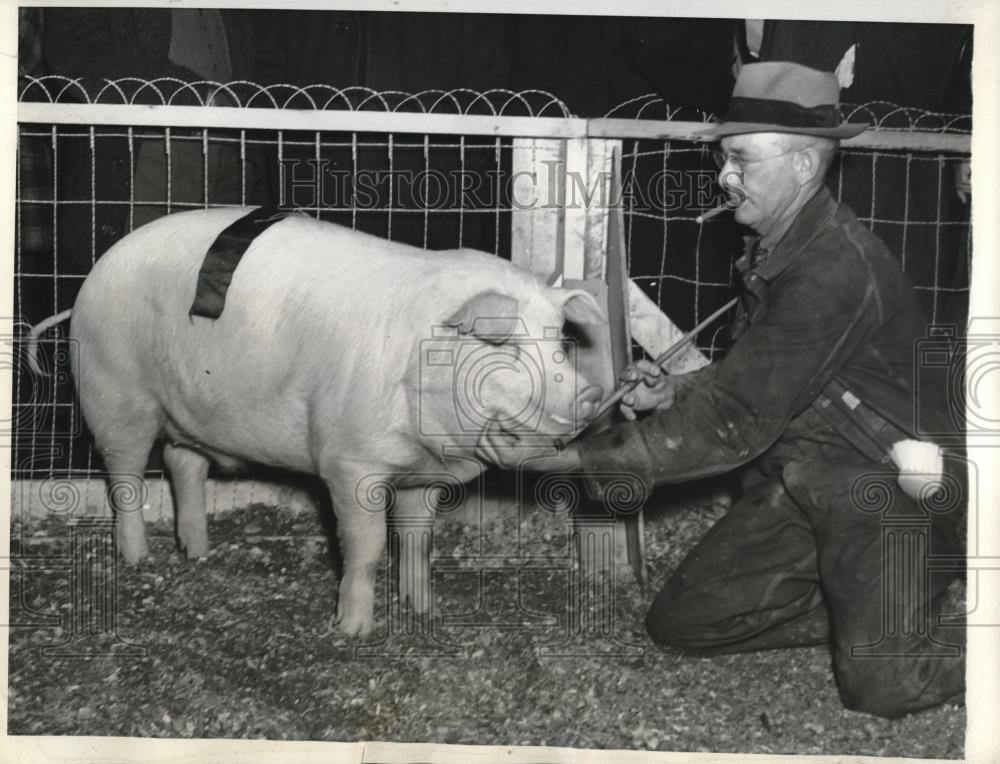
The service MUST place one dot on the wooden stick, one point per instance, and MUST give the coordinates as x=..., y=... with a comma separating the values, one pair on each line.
x=666, y=355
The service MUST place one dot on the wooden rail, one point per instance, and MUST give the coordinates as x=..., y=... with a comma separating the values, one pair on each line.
x=433, y=124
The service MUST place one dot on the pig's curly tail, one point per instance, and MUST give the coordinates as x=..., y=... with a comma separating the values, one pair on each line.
x=35, y=333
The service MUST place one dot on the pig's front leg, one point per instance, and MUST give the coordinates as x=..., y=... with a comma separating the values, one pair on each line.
x=412, y=526
x=361, y=531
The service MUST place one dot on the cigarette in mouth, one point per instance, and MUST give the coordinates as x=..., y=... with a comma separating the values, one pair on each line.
x=709, y=214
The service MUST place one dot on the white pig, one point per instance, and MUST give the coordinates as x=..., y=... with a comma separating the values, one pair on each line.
x=317, y=364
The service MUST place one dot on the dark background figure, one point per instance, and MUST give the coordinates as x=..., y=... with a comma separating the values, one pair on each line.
x=94, y=187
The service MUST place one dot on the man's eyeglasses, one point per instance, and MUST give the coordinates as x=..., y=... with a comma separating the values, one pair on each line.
x=723, y=158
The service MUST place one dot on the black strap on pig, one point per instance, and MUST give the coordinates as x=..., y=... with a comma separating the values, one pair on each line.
x=224, y=255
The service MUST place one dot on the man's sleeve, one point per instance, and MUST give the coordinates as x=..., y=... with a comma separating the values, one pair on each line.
x=774, y=371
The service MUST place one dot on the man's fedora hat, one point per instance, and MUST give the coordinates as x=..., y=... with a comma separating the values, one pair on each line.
x=782, y=97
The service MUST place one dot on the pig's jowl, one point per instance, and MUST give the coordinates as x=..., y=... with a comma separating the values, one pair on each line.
x=338, y=353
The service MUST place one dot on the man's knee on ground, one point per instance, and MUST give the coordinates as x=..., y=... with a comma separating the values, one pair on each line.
x=865, y=693
x=673, y=622
x=672, y=632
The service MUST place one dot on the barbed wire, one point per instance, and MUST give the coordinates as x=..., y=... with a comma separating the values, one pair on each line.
x=885, y=115
x=499, y=102
x=169, y=91
x=880, y=115
x=651, y=106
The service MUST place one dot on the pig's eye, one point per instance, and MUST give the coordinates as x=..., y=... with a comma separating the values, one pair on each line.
x=572, y=337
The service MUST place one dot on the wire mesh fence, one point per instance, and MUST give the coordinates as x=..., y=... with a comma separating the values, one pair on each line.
x=82, y=186
x=95, y=184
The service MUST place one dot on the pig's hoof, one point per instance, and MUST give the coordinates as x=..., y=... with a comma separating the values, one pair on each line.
x=192, y=537
x=196, y=551
x=130, y=537
x=132, y=549
x=352, y=625
x=133, y=555
x=356, y=604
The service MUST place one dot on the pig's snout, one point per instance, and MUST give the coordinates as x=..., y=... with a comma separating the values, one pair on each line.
x=586, y=403
x=583, y=408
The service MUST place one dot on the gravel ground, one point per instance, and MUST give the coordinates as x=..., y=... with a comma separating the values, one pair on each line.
x=242, y=645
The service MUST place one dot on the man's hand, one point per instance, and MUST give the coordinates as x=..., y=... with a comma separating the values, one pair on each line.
x=655, y=389
x=507, y=451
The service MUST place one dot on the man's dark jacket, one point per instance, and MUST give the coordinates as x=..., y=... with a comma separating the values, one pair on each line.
x=828, y=302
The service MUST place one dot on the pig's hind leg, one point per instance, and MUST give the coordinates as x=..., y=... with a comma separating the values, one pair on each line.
x=188, y=472
x=361, y=532
x=125, y=450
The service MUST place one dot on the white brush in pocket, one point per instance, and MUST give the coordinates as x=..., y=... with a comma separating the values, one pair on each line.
x=921, y=467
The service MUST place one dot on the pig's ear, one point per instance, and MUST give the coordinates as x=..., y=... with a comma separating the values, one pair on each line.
x=580, y=307
x=490, y=316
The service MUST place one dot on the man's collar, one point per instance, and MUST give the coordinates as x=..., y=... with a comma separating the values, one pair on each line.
x=811, y=217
